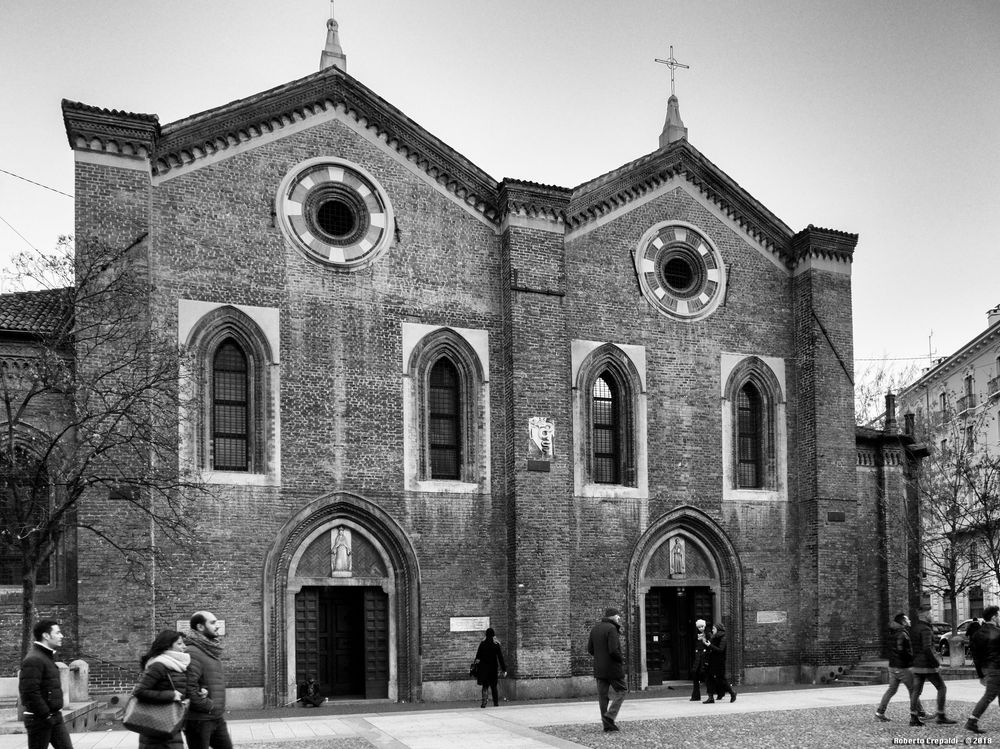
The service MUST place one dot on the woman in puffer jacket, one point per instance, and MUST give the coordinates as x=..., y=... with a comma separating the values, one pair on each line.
x=163, y=670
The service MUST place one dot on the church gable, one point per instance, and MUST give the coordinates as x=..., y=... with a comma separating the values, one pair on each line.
x=679, y=166
x=246, y=124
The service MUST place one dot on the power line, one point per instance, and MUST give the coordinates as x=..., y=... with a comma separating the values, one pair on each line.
x=894, y=358
x=39, y=184
x=19, y=234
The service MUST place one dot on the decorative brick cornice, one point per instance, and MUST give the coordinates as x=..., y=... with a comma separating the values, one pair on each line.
x=533, y=200
x=829, y=244
x=599, y=196
x=110, y=131
x=227, y=126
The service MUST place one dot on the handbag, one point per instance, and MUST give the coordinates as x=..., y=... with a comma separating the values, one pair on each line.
x=474, y=669
x=155, y=720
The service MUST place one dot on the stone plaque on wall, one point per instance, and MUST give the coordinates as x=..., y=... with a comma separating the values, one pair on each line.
x=469, y=623
x=772, y=617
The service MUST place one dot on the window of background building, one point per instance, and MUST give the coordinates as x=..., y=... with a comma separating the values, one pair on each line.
x=975, y=602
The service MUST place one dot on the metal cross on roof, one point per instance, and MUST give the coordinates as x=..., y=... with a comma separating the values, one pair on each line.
x=672, y=63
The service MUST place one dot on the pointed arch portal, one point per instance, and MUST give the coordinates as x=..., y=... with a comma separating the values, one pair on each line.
x=683, y=568
x=341, y=604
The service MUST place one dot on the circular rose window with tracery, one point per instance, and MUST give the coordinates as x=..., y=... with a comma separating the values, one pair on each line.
x=680, y=271
x=335, y=212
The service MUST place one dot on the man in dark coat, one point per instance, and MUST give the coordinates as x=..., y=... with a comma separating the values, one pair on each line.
x=609, y=669
x=900, y=661
x=700, y=664
x=985, y=646
x=925, y=667
x=41, y=691
x=716, y=682
x=206, y=686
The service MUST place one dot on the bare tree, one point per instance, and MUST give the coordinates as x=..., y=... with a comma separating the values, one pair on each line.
x=982, y=480
x=949, y=527
x=90, y=409
x=871, y=385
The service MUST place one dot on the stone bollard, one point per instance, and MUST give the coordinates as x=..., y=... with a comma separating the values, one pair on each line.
x=64, y=679
x=79, y=681
x=956, y=650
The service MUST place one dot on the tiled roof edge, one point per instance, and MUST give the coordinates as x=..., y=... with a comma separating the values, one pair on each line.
x=40, y=313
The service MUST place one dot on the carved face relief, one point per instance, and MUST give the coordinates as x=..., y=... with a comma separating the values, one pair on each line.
x=541, y=431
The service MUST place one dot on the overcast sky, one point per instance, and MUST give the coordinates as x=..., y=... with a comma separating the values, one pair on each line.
x=879, y=118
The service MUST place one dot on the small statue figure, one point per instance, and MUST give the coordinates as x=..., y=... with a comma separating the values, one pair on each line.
x=342, y=551
x=677, y=556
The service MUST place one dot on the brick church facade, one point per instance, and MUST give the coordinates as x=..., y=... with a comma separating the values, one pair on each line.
x=428, y=401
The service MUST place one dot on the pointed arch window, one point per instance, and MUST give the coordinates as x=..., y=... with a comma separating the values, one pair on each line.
x=445, y=410
x=609, y=407
x=754, y=435
x=25, y=499
x=606, y=421
x=230, y=408
x=444, y=407
x=749, y=409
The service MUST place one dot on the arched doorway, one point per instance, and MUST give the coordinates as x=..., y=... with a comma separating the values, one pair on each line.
x=341, y=604
x=683, y=568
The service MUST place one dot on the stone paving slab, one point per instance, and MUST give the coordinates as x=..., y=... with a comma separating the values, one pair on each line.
x=514, y=725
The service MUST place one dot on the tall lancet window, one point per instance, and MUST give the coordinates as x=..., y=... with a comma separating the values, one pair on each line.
x=445, y=423
x=230, y=401
x=606, y=417
x=749, y=404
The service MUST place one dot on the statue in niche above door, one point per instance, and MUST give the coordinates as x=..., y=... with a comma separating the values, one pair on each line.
x=677, y=554
x=342, y=552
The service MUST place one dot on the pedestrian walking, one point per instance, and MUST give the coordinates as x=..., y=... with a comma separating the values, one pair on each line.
x=716, y=682
x=490, y=666
x=925, y=668
x=900, y=664
x=609, y=666
x=985, y=647
x=41, y=691
x=970, y=632
x=164, y=680
x=206, y=686
x=699, y=664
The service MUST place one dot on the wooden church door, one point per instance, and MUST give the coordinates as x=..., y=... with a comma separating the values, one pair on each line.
x=342, y=639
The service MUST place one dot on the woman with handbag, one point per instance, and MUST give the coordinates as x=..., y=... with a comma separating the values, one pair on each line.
x=489, y=665
x=163, y=667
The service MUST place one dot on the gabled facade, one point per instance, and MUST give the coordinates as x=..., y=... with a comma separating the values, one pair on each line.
x=428, y=402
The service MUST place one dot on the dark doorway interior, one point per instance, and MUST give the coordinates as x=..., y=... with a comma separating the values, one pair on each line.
x=342, y=639
x=670, y=633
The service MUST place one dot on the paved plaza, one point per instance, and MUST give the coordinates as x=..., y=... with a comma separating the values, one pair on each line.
x=515, y=725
